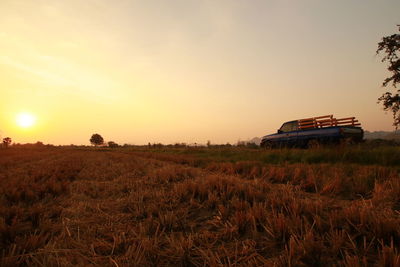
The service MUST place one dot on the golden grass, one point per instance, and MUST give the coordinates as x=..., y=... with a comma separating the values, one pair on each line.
x=62, y=207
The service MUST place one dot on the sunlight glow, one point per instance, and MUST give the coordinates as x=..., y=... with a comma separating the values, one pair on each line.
x=25, y=120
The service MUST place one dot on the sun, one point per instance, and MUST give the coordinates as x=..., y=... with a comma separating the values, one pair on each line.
x=25, y=120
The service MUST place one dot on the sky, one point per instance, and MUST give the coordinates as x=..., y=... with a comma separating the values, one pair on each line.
x=188, y=70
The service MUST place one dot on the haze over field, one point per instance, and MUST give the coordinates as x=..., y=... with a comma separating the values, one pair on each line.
x=187, y=71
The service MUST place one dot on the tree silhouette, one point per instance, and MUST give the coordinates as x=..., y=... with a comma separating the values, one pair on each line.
x=96, y=140
x=7, y=141
x=390, y=46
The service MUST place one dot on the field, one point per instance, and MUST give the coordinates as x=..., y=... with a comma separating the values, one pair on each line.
x=231, y=206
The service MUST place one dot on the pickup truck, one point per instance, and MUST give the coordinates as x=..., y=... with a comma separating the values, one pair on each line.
x=312, y=132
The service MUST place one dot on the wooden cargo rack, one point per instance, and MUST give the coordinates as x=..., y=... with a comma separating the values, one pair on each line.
x=327, y=121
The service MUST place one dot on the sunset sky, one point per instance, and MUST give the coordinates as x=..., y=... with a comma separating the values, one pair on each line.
x=188, y=70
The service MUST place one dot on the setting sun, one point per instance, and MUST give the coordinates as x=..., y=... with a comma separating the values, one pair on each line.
x=25, y=120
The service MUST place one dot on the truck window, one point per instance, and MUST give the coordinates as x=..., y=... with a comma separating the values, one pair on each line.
x=286, y=127
x=294, y=125
x=289, y=126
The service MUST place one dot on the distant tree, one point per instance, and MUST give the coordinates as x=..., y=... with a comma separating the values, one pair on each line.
x=112, y=144
x=96, y=140
x=7, y=141
x=241, y=143
x=158, y=145
x=39, y=143
x=390, y=46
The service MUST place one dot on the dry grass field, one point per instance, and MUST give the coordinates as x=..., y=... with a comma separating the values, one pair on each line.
x=62, y=206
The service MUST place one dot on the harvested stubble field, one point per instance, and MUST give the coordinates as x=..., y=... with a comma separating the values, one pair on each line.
x=199, y=207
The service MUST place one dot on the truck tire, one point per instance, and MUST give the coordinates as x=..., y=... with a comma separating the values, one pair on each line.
x=313, y=144
x=347, y=141
x=266, y=145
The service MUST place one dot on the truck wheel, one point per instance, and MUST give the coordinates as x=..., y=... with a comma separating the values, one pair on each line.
x=313, y=143
x=266, y=145
x=347, y=141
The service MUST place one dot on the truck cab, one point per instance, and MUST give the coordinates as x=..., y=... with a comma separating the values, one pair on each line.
x=287, y=134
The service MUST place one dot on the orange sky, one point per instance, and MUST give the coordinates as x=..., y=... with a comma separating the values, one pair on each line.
x=188, y=70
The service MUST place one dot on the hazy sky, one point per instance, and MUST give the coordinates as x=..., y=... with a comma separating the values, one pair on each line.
x=189, y=70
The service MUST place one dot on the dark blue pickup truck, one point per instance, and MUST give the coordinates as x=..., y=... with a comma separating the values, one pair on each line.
x=313, y=132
